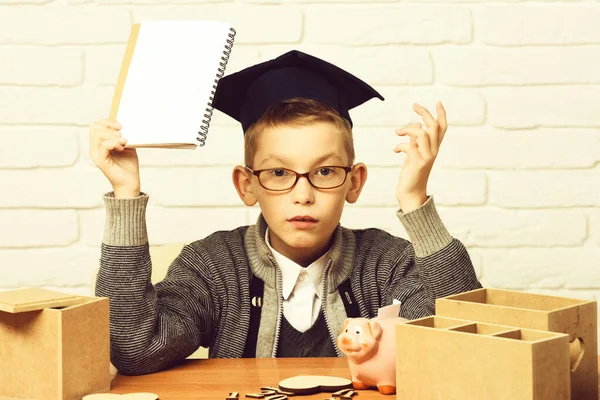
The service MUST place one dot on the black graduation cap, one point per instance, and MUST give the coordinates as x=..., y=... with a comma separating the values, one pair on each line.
x=247, y=94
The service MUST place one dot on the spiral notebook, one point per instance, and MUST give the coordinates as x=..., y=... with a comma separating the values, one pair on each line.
x=163, y=97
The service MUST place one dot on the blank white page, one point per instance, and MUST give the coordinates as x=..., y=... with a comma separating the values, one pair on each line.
x=169, y=81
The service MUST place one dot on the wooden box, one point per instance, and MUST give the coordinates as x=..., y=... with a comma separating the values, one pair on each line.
x=53, y=346
x=451, y=359
x=577, y=318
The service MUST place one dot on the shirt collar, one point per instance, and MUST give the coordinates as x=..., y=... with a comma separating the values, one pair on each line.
x=290, y=271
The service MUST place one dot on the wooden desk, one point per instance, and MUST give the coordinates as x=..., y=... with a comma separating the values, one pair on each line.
x=214, y=378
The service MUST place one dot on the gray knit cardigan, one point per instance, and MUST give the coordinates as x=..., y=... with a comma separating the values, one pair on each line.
x=204, y=299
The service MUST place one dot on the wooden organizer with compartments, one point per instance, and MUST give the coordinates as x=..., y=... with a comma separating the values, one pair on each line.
x=453, y=359
x=576, y=318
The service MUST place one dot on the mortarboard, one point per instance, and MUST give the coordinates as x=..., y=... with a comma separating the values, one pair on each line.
x=247, y=94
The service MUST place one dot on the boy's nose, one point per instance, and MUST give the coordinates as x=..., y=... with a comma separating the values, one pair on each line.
x=303, y=193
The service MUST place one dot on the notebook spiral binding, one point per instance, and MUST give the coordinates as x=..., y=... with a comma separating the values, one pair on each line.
x=203, y=132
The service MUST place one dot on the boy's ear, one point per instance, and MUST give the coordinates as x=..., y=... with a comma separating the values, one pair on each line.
x=357, y=177
x=243, y=184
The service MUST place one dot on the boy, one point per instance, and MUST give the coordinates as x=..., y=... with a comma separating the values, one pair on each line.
x=284, y=286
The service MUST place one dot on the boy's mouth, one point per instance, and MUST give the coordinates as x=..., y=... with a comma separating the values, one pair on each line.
x=302, y=218
x=302, y=222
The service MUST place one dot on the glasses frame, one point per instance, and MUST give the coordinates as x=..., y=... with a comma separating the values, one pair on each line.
x=306, y=175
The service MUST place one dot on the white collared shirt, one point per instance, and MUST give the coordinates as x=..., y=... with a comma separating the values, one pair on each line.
x=302, y=289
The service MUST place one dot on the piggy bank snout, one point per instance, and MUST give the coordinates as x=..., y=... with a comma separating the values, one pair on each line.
x=346, y=340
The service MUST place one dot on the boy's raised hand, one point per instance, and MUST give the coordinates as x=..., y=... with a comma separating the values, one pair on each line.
x=421, y=152
x=118, y=164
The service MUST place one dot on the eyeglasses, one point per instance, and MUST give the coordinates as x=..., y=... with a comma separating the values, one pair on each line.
x=280, y=179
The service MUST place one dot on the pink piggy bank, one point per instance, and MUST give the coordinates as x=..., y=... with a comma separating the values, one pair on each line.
x=370, y=346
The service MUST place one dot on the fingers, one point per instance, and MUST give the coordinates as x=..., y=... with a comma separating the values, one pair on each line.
x=426, y=115
x=110, y=145
x=108, y=123
x=109, y=134
x=442, y=121
x=415, y=126
x=105, y=143
x=103, y=125
x=105, y=137
x=431, y=126
x=421, y=138
x=411, y=151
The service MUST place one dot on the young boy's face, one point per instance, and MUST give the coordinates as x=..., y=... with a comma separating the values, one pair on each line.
x=303, y=148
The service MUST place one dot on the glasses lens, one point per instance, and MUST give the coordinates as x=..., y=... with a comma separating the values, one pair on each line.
x=327, y=177
x=277, y=179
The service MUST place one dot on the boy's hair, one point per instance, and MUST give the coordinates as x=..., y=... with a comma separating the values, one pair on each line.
x=297, y=111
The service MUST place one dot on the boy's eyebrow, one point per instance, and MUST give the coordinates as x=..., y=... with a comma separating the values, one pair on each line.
x=326, y=156
x=271, y=157
x=317, y=161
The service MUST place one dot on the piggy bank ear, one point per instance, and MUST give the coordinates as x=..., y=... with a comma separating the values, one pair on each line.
x=345, y=325
x=375, y=329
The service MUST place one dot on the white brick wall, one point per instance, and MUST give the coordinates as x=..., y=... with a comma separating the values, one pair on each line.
x=549, y=23
x=517, y=181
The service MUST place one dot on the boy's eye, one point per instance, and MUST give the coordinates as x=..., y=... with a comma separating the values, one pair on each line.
x=324, y=171
x=278, y=172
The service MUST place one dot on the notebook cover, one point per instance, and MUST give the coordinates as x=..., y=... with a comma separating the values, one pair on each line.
x=116, y=101
x=133, y=36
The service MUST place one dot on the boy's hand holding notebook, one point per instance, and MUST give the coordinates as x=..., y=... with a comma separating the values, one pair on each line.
x=118, y=164
x=163, y=97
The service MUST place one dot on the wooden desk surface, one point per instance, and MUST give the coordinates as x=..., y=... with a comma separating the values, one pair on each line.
x=215, y=378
